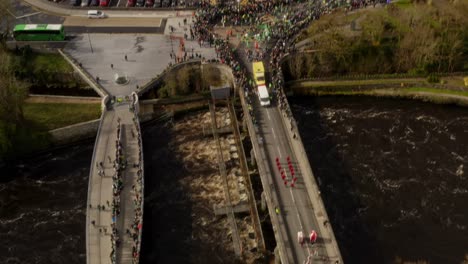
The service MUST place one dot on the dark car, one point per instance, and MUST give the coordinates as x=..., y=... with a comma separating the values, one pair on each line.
x=94, y=3
x=131, y=2
x=140, y=2
x=75, y=2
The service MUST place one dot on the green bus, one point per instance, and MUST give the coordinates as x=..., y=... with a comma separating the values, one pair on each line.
x=39, y=32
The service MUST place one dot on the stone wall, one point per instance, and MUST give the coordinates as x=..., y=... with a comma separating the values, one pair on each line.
x=74, y=133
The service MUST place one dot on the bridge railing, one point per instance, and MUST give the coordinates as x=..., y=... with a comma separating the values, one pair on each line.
x=86, y=76
x=91, y=171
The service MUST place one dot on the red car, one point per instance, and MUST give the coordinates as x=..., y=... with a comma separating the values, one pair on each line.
x=149, y=3
x=103, y=2
x=131, y=2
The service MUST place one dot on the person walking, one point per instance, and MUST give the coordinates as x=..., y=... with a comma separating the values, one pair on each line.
x=112, y=66
x=126, y=57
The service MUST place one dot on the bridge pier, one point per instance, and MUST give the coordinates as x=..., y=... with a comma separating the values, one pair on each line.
x=277, y=255
x=252, y=157
x=263, y=202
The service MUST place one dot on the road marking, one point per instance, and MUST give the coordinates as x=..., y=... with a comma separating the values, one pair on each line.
x=268, y=114
x=28, y=15
x=279, y=151
x=274, y=134
x=118, y=3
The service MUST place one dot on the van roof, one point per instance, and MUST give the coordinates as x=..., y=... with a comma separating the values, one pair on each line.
x=262, y=90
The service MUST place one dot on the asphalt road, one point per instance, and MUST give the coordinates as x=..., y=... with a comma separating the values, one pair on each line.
x=296, y=210
x=294, y=203
x=22, y=13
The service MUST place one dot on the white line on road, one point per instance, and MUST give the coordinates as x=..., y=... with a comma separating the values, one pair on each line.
x=268, y=114
x=279, y=151
x=28, y=15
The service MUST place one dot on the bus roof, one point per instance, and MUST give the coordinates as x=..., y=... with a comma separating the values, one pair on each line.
x=39, y=27
x=258, y=67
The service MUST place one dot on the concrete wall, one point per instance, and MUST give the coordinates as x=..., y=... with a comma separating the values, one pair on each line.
x=84, y=74
x=74, y=133
x=38, y=46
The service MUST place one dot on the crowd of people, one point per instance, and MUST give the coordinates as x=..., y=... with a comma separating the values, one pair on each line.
x=286, y=22
x=134, y=231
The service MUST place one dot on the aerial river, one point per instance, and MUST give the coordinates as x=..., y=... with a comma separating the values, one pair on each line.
x=393, y=174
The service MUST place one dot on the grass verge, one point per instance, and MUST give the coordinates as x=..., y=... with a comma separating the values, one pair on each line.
x=50, y=63
x=48, y=116
x=436, y=91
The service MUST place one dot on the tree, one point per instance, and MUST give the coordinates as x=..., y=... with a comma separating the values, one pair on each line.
x=5, y=21
x=12, y=91
x=12, y=95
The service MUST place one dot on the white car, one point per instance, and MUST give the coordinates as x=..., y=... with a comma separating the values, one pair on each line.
x=96, y=14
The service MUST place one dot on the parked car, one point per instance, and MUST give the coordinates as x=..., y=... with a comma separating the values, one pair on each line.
x=85, y=2
x=140, y=2
x=75, y=2
x=149, y=3
x=165, y=3
x=103, y=2
x=131, y=2
x=94, y=3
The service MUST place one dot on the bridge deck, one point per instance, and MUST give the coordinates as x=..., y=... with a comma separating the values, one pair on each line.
x=104, y=194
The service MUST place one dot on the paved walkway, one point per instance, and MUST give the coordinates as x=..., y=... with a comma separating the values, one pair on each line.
x=103, y=187
x=99, y=221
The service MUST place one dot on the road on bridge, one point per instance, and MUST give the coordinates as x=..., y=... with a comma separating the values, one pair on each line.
x=296, y=211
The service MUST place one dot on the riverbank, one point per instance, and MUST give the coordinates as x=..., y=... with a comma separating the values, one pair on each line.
x=391, y=89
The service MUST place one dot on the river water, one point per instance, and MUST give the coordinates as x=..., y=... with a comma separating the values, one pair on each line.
x=392, y=174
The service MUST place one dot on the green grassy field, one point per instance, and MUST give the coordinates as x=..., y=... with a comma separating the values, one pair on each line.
x=48, y=116
x=434, y=90
x=50, y=63
x=403, y=3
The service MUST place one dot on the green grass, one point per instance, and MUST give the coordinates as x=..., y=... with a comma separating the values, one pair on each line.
x=311, y=84
x=48, y=116
x=50, y=63
x=435, y=90
x=403, y=3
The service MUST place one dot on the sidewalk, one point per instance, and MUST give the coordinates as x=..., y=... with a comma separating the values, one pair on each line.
x=60, y=10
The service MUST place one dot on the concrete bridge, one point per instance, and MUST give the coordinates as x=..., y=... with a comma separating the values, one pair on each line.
x=290, y=190
x=115, y=197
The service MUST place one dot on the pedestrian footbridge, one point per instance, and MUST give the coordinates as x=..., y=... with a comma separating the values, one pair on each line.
x=115, y=194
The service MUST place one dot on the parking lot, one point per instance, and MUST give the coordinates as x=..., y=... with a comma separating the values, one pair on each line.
x=22, y=13
x=113, y=22
x=130, y=3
